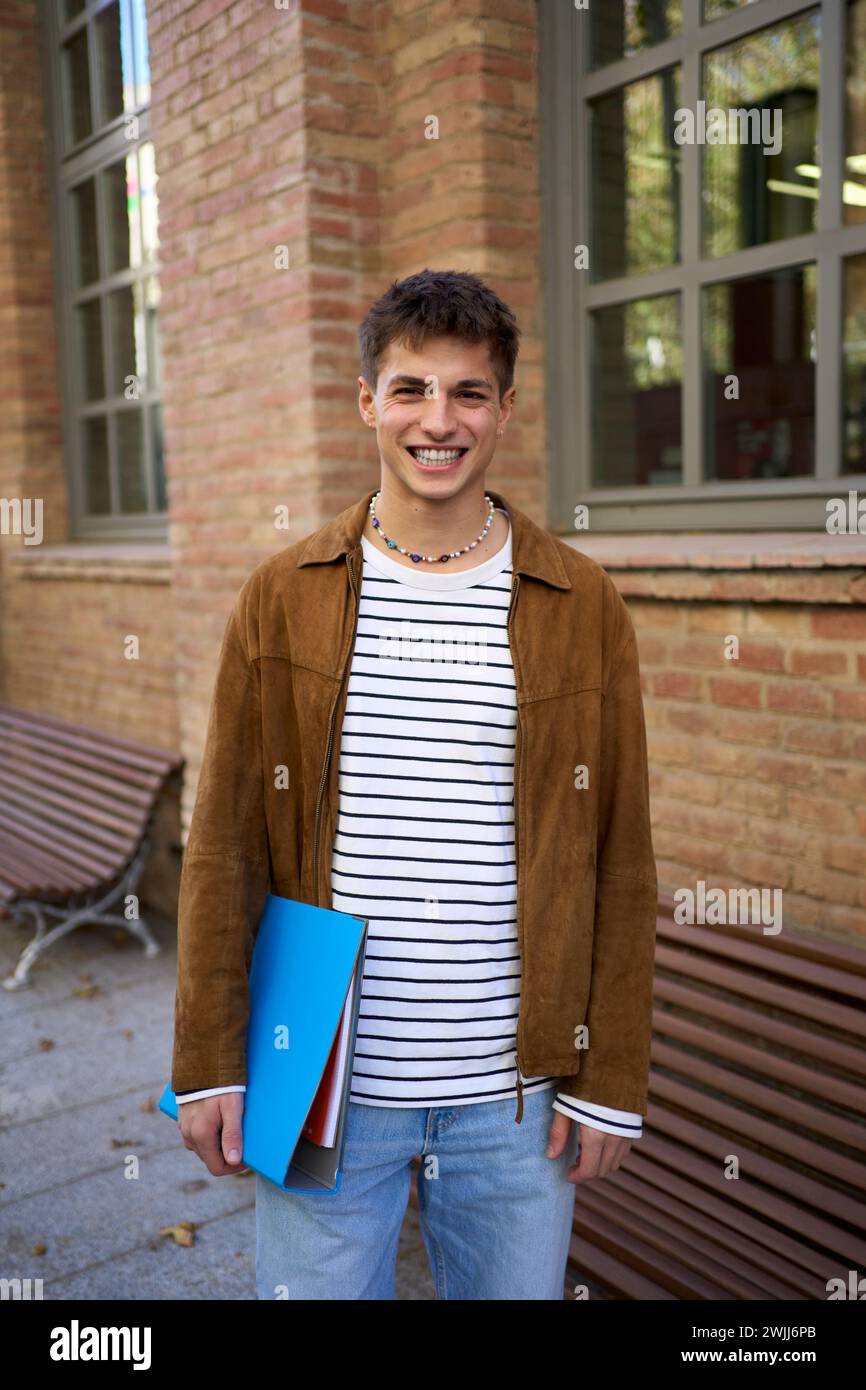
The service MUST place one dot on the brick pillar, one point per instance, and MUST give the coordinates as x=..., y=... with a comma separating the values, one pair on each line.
x=304, y=126
x=30, y=426
x=470, y=199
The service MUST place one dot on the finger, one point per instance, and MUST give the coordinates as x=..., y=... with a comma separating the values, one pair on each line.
x=592, y=1143
x=209, y=1151
x=614, y=1155
x=560, y=1128
x=586, y=1166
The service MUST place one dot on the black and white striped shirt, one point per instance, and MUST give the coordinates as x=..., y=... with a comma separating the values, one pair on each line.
x=424, y=842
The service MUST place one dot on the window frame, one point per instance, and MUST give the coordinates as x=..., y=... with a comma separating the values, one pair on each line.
x=567, y=88
x=97, y=152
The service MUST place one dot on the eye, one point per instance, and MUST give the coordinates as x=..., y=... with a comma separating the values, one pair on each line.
x=474, y=395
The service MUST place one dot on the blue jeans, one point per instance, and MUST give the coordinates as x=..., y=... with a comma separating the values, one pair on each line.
x=495, y=1212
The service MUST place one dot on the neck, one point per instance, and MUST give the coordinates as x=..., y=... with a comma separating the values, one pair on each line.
x=431, y=525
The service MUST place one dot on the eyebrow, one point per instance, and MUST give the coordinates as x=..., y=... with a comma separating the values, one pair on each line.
x=474, y=382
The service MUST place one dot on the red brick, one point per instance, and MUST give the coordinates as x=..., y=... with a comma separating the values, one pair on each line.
x=842, y=624
x=741, y=694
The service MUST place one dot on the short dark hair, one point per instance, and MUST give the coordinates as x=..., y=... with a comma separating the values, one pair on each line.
x=437, y=303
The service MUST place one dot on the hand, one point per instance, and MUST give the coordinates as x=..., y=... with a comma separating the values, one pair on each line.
x=211, y=1128
x=599, y=1153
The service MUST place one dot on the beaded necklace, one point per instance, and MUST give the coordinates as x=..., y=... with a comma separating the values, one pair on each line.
x=431, y=559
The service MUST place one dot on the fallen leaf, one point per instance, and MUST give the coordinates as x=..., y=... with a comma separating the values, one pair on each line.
x=39, y=1249
x=87, y=992
x=148, y=1106
x=45, y=1044
x=181, y=1233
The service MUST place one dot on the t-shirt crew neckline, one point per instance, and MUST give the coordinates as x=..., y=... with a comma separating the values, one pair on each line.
x=439, y=578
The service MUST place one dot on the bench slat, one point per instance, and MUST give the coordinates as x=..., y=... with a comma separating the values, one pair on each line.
x=132, y=819
x=693, y=1248
x=61, y=733
x=606, y=1269
x=851, y=960
x=682, y=1280
x=796, y=1002
x=754, y=1093
x=755, y=955
x=697, y=1210
x=86, y=781
x=672, y=1133
x=748, y=1022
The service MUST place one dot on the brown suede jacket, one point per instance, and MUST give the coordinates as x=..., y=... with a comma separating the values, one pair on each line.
x=586, y=875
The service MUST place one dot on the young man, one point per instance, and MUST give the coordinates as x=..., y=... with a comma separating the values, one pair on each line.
x=456, y=696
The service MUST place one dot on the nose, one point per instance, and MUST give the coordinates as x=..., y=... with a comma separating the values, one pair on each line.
x=438, y=417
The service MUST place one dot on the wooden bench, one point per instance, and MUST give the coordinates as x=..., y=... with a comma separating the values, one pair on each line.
x=759, y=1052
x=76, y=808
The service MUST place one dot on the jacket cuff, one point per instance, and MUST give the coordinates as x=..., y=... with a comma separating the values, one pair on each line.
x=184, y=1096
x=626, y=1123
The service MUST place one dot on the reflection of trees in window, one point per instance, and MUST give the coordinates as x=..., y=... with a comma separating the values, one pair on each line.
x=749, y=197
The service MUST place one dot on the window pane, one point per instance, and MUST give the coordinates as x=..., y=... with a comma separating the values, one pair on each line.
x=76, y=89
x=71, y=8
x=89, y=350
x=130, y=461
x=854, y=188
x=149, y=203
x=765, y=91
x=94, y=465
x=112, y=76
x=158, y=450
x=126, y=346
x=715, y=9
x=636, y=387
x=759, y=376
x=120, y=187
x=854, y=367
x=151, y=322
x=618, y=30
x=635, y=178
x=82, y=200
x=140, y=52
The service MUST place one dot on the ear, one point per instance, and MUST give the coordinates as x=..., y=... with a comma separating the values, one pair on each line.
x=365, y=400
x=506, y=405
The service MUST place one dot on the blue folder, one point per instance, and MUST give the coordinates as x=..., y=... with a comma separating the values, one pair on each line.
x=302, y=965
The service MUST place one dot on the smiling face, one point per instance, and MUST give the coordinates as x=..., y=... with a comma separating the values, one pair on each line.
x=437, y=411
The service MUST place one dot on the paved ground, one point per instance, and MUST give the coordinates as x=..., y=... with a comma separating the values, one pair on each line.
x=85, y=1056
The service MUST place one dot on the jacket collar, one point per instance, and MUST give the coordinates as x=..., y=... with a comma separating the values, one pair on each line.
x=533, y=551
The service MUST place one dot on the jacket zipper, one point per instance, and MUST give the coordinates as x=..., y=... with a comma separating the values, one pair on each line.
x=316, y=835
x=517, y=750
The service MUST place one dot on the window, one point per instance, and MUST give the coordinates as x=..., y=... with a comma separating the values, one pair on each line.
x=105, y=210
x=704, y=208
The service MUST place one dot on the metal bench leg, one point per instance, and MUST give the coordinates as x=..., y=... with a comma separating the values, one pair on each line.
x=92, y=912
x=20, y=977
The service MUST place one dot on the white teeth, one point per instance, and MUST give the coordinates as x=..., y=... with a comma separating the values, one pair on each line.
x=437, y=456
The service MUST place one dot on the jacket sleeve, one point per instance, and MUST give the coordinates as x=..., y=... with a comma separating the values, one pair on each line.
x=614, y=1065
x=225, y=876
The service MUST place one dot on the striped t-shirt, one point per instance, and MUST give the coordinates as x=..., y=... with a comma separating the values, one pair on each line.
x=424, y=840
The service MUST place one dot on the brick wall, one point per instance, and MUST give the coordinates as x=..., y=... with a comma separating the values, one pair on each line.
x=60, y=639
x=62, y=628
x=305, y=127
x=758, y=765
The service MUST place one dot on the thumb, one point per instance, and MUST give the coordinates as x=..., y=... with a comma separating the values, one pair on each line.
x=559, y=1132
x=232, y=1139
